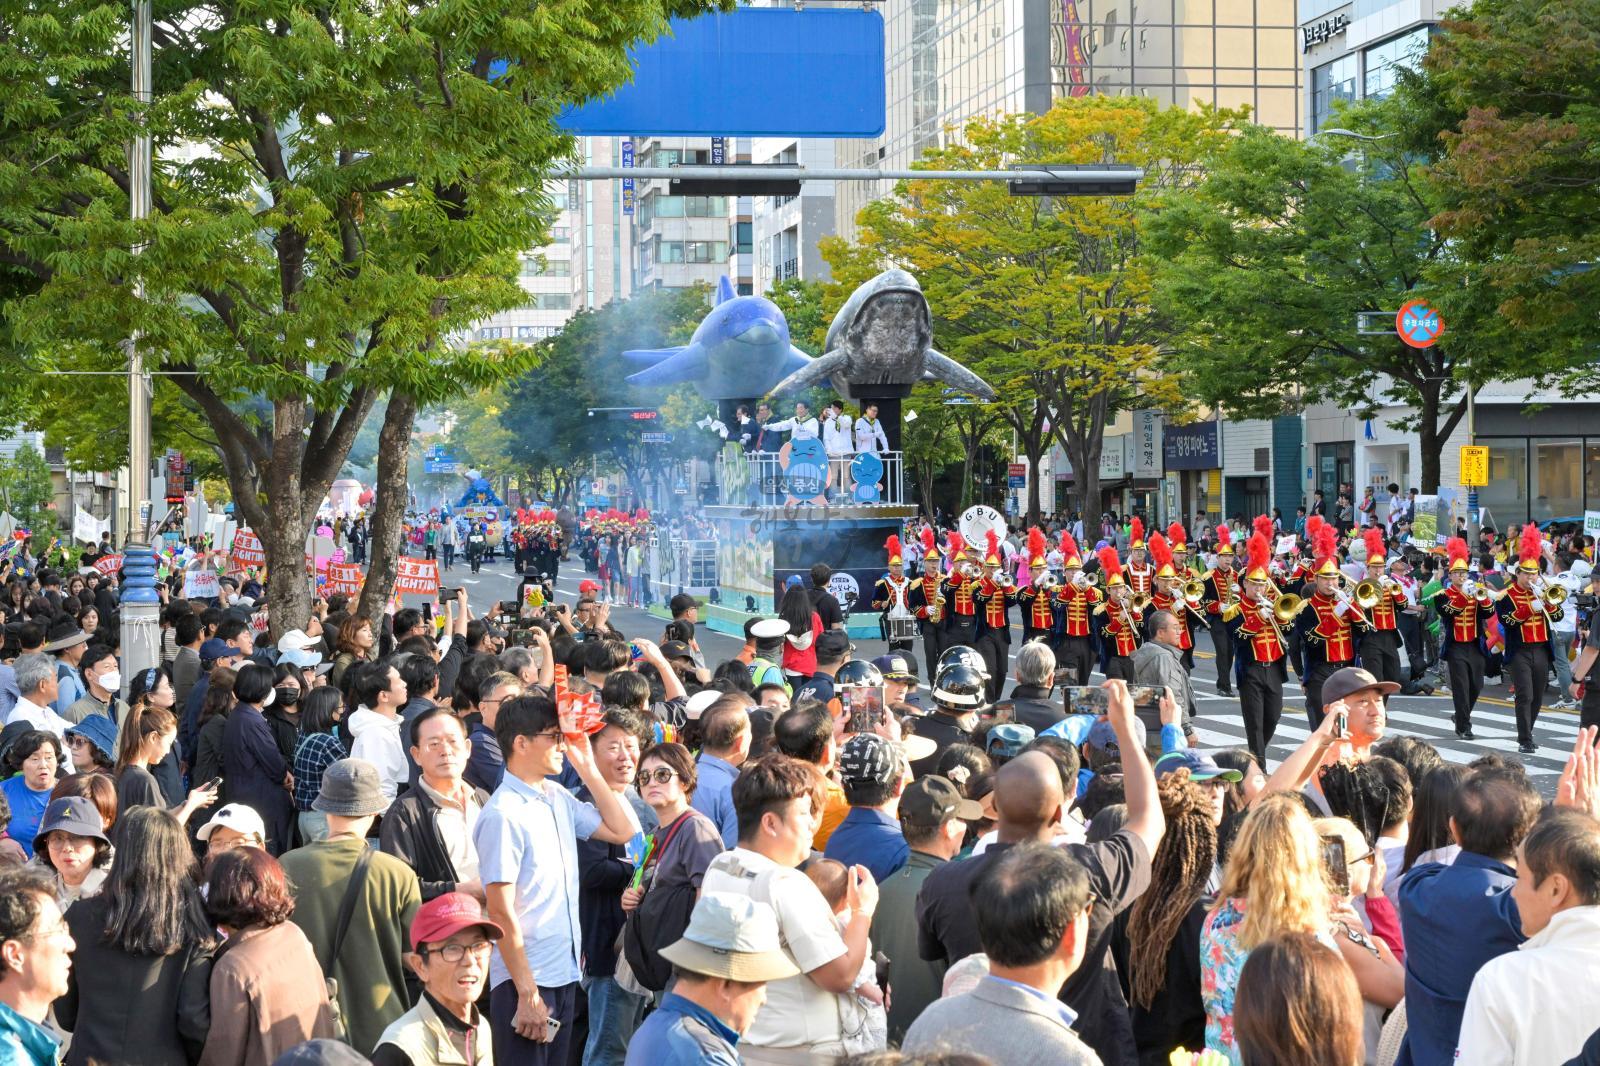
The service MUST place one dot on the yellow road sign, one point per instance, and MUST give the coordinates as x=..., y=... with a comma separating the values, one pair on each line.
x=1474, y=465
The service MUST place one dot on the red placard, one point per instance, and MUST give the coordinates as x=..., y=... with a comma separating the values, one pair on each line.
x=343, y=578
x=108, y=564
x=247, y=549
x=419, y=576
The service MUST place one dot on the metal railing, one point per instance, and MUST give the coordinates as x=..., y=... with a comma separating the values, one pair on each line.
x=759, y=478
x=678, y=565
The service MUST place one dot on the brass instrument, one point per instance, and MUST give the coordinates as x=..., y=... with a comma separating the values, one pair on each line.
x=1367, y=594
x=1140, y=603
x=1194, y=592
x=936, y=607
x=1286, y=607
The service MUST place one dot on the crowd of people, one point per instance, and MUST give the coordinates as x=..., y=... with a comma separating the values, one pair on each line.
x=539, y=839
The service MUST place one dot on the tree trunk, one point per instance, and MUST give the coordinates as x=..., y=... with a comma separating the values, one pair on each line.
x=388, y=503
x=284, y=541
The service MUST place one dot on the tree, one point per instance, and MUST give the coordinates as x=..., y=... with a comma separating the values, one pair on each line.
x=929, y=441
x=27, y=492
x=339, y=190
x=1271, y=258
x=1518, y=189
x=1047, y=299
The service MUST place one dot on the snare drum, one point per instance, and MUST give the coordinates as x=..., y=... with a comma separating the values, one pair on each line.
x=904, y=628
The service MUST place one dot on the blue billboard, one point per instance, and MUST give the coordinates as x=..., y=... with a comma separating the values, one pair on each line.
x=750, y=72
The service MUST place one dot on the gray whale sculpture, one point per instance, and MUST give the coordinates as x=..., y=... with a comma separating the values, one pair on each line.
x=881, y=343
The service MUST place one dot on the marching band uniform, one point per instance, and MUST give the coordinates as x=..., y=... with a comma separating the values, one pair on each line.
x=1120, y=619
x=1177, y=538
x=1465, y=647
x=1526, y=621
x=1380, y=645
x=995, y=596
x=1138, y=571
x=892, y=595
x=1075, y=652
x=1327, y=632
x=930, y=608
x=1219, y=593
x=1262, y=655
x=961, y=598
x=1039, y=614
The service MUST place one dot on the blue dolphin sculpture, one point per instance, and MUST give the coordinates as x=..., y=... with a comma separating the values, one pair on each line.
x=740, y=349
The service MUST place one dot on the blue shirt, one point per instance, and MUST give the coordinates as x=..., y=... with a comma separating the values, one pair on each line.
x=9, y=695
x=1456, y=918
x=486, y=767
x=870, y=838
x=680, y=1033
x=713, y=795
x=27, y=1043
x=1068, y=1016
x=527, y=836
x=27, y=808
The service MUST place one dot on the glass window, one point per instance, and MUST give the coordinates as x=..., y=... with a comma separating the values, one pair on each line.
x=669, y=251
x=742, y=237
x=705, y=252
x=1557, y=479
x=1506, y=494
x=1330, y=82
x=550, y=301
x=1591, y=476
x=1386, y=60
x=546, y=268
x=668, y=206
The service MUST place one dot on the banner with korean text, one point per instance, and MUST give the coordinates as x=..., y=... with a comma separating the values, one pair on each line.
x=417, y=577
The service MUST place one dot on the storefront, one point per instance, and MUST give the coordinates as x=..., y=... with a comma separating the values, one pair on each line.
x=1540, y=478
x=1192, y=455
x=1335, y=466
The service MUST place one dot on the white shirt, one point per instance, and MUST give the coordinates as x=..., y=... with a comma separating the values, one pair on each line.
x=455, y=829
x=801, y=430
x=870, y=436
x=836, y=435
x=1568, y=623
x=1537, y=1005
x=377, y=740
x=44, y=718
x=798, y=1012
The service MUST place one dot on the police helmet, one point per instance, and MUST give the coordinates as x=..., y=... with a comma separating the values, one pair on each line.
x=960, y=653
x=958, y=686
x=858, y=673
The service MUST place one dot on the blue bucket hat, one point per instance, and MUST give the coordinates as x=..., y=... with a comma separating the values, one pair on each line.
x=100, y=731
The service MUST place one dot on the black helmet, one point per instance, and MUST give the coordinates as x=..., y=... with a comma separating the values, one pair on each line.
x=958, y=686
x=858, y=673
x=964, y=655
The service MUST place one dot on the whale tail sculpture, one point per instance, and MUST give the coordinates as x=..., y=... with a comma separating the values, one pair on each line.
x=740, y=349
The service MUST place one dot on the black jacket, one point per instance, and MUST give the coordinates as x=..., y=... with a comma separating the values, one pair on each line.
x=410, y=832
x=163, y=1021
x=1030, y=706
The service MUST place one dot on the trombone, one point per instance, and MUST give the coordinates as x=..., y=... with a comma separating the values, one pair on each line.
x=1366, y=594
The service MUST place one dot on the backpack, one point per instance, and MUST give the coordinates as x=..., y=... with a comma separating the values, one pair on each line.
x=658, y=921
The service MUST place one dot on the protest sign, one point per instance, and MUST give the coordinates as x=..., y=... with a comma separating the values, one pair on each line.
x=201, y=585
x=417, y=576
x=247, y=549
x=108, y=564
x=343, y=578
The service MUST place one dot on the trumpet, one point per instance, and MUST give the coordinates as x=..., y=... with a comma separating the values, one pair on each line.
x=1194, y=592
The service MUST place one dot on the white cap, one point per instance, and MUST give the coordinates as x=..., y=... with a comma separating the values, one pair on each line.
x=699, y=702
x=732, y=936
x=770, y=629
x=239, y=818
x=301, y=657
x=295, y=640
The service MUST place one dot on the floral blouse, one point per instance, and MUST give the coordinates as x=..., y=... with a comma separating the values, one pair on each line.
x=1221, y=961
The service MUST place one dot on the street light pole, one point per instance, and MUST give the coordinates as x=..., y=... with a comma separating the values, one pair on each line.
x=141, y=604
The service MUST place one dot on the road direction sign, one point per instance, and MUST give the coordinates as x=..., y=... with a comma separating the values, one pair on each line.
x=1418, y=324
x=655, y=438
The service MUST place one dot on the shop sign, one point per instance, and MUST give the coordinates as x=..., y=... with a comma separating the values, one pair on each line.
x=1192, y=447
x=1474, y=465
x=1323, y=31
x=1112, y=466
x=1146, y=444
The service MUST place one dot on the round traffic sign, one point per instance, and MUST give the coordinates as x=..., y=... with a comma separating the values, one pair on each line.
x=1418, y=324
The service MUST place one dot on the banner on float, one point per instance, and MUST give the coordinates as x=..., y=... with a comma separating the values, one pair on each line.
x=417, y=577
x=247, y=550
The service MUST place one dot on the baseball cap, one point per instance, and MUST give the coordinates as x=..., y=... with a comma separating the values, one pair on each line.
x=1008, y=740
x=1350, y=680
x=676, y=649
x=70, y=814
x=300, y=657
x=1102, y=736
x=791, y=581
x=295, y=640
x=733, y=937
x=932, y=800
x=586, y=587
x=869, y=759
x=896, y=667
x=1201, y=766
x=236, y=816
x=442, y=917
x=833, y=643
x=214, y=648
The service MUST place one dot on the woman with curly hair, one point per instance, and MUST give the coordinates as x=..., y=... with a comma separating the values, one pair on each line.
x=1157, y=940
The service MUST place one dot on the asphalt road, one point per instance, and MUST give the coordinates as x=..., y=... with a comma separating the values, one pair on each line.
x=1218, y=720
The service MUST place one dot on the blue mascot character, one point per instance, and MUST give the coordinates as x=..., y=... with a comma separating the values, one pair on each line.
x=805, y=465
x=867, y=472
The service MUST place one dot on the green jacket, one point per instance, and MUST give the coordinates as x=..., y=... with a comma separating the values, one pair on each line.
x=370, y=968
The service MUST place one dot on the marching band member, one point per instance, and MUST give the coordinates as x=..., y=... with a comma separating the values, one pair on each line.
x=1260, y=639
x=1220, y=593
x=1168, y=596
x=1077, y=597
x=1380, y=645
x=1178, y=538
x=1139, y=571
x=1037, y=598
x=930, y=599
x=1327, y=624
x=1526, y=619
x=996, y=593
x=1463, y=610
x=1121, y=617
x=892, y=596
x=961, y=596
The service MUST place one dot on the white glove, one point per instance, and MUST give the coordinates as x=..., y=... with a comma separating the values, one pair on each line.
x=1265, y=612
x=1342, y=608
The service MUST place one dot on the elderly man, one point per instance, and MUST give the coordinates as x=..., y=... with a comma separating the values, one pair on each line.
x=430, y=827
x=1159, y=662
x=485, y=764
x=451, y=939
x=36, y=681
x=1030, y=703
x=35, y=959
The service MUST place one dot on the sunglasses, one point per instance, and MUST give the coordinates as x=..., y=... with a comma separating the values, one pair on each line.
x=661, y=775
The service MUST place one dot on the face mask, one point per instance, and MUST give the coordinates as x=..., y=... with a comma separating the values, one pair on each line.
x=111, y=681
x=288, y=695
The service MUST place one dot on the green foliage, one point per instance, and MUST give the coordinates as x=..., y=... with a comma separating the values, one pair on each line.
x=1518, y=186
x=802, y=302
x=26, y=490
x=1047, y=299
x=1269, y=260
x=339, y=190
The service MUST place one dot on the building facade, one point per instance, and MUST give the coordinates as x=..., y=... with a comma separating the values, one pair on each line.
x=1354, y=49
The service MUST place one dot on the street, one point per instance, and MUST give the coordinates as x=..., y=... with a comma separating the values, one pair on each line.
x=1218, y=723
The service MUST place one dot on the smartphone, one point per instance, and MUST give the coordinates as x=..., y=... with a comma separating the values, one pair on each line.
x=863, y=707
x=213, y=783
x=552, y=1026
x=1334, y=865
x=1086, y=699
x=1341, y=725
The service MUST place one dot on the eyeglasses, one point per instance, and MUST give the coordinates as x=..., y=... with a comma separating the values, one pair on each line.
x=77, y=740
x=454, y=953
x=661, y=775
x=553, y=735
